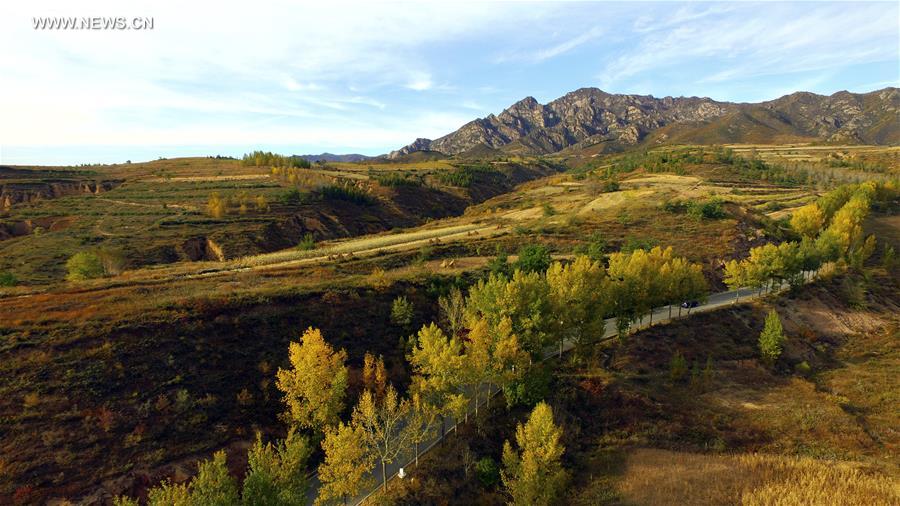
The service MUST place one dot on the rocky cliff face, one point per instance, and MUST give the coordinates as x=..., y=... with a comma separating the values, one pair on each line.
x=24, y=192
x=870, y=118
x=590, y=115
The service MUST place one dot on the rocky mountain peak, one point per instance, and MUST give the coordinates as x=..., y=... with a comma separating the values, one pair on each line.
x=591, y=115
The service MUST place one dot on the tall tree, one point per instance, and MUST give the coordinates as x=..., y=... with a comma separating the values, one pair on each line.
x=344, y=473
x=374, y=374
x=277, y=472
x=684, y=282
x=576, y=299
x=213, y=486
x=423, y=421
x=735, y=277
x=385, y=426
x=771, y=338
x=437, y=362
x=808, y=220
x=453, y=310
x=315, y=385
x=523, y=299
x=493, y=358
x=533, y=474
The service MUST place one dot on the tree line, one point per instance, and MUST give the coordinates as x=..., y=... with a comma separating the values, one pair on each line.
x=269, y=159
x=830, y=231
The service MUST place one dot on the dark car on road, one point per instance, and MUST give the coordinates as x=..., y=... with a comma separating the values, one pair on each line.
x=688, y=304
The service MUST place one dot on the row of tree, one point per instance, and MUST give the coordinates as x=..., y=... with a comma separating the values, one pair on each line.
x=218, y=206
x=269, y=159
x=830, y=230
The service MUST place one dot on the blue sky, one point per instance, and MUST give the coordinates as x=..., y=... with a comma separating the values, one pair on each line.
x=221, y=78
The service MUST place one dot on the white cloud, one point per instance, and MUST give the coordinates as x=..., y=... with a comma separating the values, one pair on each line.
x=245, y=64
x=743, y=41
x=420, y=81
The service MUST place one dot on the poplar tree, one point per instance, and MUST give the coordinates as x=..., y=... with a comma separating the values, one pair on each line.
x=315, y=385
x=533, y=474
x=576, y=299
x=344, y=473
x=524, y=299
x=384, y=426
x=437, y=363
x=771, y=338
x=277, y=472
x=808, y=220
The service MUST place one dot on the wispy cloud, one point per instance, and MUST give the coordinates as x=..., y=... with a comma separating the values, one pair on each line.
x=746, y=41
x=377, y=75
x=565, y=47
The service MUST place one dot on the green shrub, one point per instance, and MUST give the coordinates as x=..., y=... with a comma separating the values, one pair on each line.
x=401, y=312
x=531, y=389
x=678, y=367
x=533, y=258
x=633, y=243
x=500, y=263
x=594, y=248
x=308, y=242
x=8, y=279
x=84, y=265
x=293, y=197
x=487, y=471
x=710, y=209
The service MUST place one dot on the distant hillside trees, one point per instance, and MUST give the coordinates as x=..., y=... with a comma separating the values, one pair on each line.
x=218, y=206
x=94, y=263
x=269, y=159
x=533, y=475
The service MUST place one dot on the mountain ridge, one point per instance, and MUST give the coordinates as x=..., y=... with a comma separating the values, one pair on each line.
x=589, y=116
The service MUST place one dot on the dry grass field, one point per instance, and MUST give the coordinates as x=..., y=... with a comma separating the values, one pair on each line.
x=674, y=478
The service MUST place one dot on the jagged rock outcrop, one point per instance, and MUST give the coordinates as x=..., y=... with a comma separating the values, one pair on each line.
x=589, y=115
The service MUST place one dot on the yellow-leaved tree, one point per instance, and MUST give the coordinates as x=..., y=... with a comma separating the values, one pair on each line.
x=344, y=472
x=315, y=385
x=808, y=220
x=577, y=300
x=533, y=474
